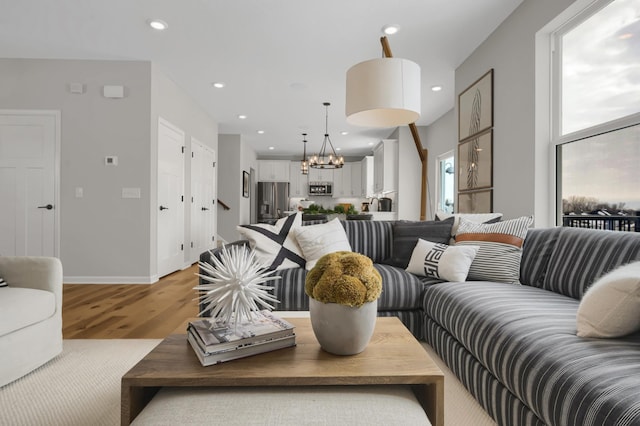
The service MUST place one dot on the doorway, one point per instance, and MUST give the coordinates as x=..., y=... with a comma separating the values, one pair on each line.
x=29, y=182
x=445, y=183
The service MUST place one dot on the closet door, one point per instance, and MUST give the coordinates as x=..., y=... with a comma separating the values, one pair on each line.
x=203, y=191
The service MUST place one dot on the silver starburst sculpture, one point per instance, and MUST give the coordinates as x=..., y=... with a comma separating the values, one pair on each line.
x=237, y=285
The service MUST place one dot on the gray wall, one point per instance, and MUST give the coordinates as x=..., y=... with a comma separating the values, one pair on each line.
x=103, y=237
x=511, y=51
x=440, y=137
x=238, y=157
x=101, y=234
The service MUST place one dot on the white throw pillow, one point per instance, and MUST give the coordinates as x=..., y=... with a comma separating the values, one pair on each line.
x=318, y=240
x=611, y=306
x=3, y=283
x=436, y=260
x=275, y=245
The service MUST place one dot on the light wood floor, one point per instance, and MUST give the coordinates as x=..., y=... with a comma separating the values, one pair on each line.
x=129, y=311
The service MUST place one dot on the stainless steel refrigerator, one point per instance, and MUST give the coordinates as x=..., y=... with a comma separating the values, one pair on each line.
x=273, y=201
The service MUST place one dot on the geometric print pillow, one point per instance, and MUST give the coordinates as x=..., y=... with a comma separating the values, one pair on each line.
x=441, y=261
x=498, y=258
x=275, y=245
x=3, y=283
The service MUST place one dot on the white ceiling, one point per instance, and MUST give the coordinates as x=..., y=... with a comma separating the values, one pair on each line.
x=280, y=59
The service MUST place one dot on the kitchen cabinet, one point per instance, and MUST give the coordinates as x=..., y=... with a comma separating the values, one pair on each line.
x=366, y=177
x=356, y=179
x=298, y=183
x=342, y=181
x=273, y=171
x=385, y=166
x=320, y=175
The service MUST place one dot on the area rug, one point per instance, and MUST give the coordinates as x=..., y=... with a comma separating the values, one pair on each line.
x=82, y=387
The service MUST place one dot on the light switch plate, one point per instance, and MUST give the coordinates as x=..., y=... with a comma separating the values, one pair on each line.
x=111, y=160
x=130, y=192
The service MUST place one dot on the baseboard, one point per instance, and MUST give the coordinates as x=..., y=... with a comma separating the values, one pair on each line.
x=110, y=280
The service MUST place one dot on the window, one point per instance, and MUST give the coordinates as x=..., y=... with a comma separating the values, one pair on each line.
x=445, y=181
x=597, y=117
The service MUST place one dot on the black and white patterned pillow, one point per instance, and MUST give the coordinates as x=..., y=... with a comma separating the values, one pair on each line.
x=3, y=283
x=275, y=245
x=498, y=259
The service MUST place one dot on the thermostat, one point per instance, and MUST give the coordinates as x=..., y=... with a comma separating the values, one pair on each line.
x=111, y=160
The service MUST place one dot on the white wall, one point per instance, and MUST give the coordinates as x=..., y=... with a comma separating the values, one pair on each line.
x=409, y=171
x=172, y=104
x=510, y=51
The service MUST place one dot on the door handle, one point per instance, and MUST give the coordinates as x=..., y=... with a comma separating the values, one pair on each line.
x=163, y=208
x=48, y=207
x=204, y=209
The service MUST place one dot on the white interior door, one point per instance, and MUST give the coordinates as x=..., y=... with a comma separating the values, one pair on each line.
x=170, y=198
x=29, y=146
x=203, y=211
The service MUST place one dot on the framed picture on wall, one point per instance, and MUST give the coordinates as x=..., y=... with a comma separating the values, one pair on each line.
x=245, y=184
x=475, y=201
x=475, y=107
x=475, y=162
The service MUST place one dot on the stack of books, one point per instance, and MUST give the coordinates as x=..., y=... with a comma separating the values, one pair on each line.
x=215, y=342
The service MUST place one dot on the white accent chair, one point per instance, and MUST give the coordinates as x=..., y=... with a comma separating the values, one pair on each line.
x=30, y=314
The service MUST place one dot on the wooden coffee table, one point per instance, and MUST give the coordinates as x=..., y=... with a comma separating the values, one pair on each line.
x=393, y=357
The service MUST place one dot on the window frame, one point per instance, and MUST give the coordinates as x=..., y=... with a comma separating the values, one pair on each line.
x=557, y=139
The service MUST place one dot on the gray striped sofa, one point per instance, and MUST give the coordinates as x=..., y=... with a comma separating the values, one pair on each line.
x=401, y=294
x=513, y=346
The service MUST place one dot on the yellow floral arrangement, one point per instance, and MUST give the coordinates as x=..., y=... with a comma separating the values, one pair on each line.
x=345, y=278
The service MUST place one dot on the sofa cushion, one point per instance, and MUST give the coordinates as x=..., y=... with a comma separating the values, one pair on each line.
x=400, y=289
x=526, y=337
x=275, y=245
x=289, y=290
x=22, y=307
x=373, y=238
x=407, y=233
x=611, y=306
x=317, y=240
x=581, y=256
x=498, y=258
x=536, y=253
x=442, y=261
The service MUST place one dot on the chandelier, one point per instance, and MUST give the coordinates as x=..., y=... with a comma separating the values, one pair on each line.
x=322, y=160
x=304, y=164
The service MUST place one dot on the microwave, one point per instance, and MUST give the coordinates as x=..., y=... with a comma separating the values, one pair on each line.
x=320, y=188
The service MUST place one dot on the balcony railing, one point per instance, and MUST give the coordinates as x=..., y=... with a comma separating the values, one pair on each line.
x=610, y=223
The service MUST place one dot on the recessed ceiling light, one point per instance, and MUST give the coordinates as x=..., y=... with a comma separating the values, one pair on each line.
x=370, y=143
x=271, y=148
x=158, y=24
x=338, y=149
x=436, y=88
x=261, y=132
x=344, y=133
x=625, y=36
x=242, y=117
x=218, y=85
x=390, y=29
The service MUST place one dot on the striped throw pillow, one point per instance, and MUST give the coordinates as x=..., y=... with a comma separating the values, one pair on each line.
x=3, y=283
x=498, y=258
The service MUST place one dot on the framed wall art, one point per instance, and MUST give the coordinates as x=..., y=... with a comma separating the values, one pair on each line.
x=245, y=184
x=475, y=162
x=475, y=201
x=475, y=107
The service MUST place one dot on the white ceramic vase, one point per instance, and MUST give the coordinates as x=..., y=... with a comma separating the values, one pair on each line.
x=340, y=329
